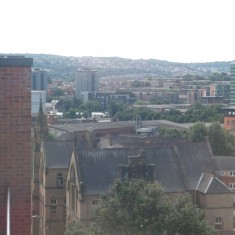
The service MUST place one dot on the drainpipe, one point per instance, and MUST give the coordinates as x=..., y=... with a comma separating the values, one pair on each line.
x=8, y=211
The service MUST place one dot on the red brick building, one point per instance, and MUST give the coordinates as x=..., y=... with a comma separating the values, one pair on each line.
x=15, y=144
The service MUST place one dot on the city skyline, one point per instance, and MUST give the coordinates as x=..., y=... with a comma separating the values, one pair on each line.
x=177, y=31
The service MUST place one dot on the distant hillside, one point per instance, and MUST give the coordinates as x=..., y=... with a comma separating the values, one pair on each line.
x=63, y=67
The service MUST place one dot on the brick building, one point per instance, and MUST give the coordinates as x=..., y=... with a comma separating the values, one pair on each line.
x=15, y=145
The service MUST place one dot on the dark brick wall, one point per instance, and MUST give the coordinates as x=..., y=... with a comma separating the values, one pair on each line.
x=15, y=145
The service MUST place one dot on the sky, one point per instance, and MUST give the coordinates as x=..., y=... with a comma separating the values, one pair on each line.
x=173, y=30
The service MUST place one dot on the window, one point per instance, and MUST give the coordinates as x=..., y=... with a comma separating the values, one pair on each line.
x=232, y=185
x=64, y=210
x=218, y=223
x=60, y=180
x=221, y=173
x=53, y=208
x=232, y=173
x=94, y=203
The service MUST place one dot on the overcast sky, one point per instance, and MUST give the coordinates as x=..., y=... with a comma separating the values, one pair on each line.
x=173, y=30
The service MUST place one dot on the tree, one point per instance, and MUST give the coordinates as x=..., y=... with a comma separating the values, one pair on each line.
x=172, y=133
x=221, y=140
x=133, y=207
x=57, y=92
x=197, y=132
x=76, y=229
x=186, y=218
x=139, y=207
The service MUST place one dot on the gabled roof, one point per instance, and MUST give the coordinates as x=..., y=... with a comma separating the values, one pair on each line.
x=210, y=184
x=57, y=153
x=178, y=166
x=225, y=162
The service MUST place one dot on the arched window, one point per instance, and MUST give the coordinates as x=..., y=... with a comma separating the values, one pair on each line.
x=60, y=180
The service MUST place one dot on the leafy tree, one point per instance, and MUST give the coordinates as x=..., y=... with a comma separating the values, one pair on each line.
x=76, y=102
x=172, y=133
x=93, y=106
x=133, y=207
x=197, y=132
x=221, y=140
x=186, y=218
x=57, y=92
x=139, y=207
x=115, y=107
x=75, y=229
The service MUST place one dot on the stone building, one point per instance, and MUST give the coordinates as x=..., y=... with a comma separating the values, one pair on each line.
x=51, y=159
x=54, y=161
x=15, y=145
x=178, y=166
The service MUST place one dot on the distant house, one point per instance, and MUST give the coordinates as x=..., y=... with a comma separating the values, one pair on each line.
x=226, y=170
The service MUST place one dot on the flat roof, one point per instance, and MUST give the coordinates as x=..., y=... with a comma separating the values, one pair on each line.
x=15, y=61
x=108, y=125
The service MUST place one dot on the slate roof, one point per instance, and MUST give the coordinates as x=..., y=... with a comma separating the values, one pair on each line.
x=178, y=167
x=225, y=162
x=57, y=153
x=211, y=185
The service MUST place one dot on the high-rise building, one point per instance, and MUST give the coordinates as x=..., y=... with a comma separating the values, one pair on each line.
x=86, y=81
x=39, y=80
x=15, y=145
x=232, y=85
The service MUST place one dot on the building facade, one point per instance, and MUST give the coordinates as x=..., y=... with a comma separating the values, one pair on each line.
x=229, y=118
x=39, y=80
x=92, y=172
x=220, y=89
x=86, y=81
x=15, y=145
x=232, y=84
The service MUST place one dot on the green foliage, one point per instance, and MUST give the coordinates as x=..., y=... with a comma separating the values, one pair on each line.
x=133, y=207
x=197, y=132
x=222, y=142
x=186, y=218
x=93, y=106
x=173, y=133
x=115, y=107
x=142, y=208
x=219, y=77
x=57, y=92
x=80, y=229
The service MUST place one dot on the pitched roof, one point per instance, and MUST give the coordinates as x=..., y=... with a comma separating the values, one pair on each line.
x=225, y=162
x=177, y=166
x=58, y=153
x=211, y=185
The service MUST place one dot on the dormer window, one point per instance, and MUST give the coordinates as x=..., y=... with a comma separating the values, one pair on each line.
x=221, y=173
x=60, y=180
x=232, y=173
